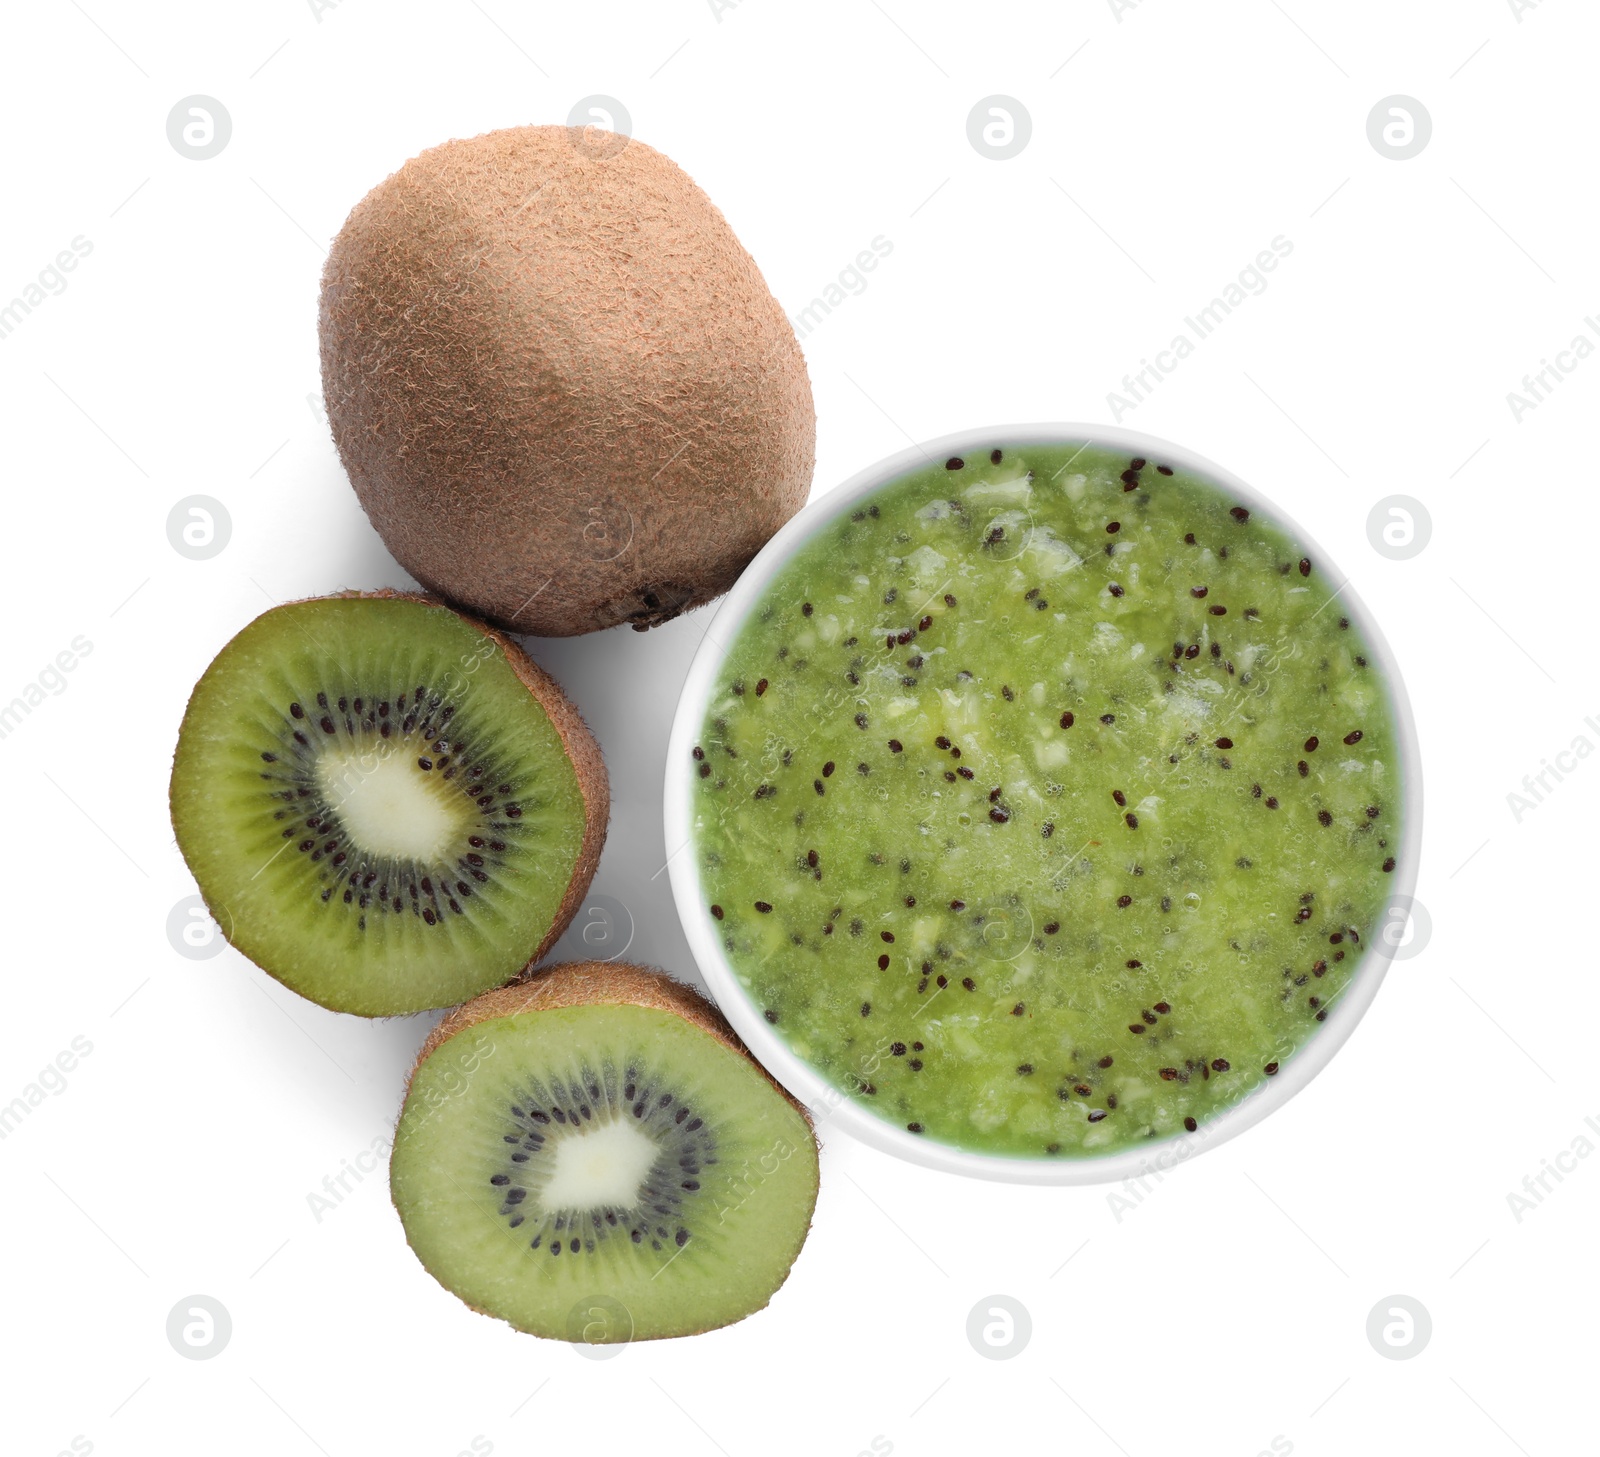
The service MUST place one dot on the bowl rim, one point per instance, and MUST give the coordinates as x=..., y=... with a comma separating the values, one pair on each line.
x=829, y=1105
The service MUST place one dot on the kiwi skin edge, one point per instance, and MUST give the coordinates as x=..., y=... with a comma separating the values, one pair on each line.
x=597, y=984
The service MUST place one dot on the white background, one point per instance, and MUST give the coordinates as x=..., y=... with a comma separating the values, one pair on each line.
x=1170, y=144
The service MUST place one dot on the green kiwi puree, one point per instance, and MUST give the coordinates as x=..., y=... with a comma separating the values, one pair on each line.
x=1047, y=800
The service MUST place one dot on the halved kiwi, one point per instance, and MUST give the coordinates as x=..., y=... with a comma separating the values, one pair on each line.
x=387, y=806
x=592, y=1155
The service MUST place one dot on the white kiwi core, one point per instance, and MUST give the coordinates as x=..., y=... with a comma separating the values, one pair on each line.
x=600, y=1167
x=389, y=804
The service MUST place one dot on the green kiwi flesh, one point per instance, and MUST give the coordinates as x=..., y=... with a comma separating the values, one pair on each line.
x=593, y=1156
x=386, y=806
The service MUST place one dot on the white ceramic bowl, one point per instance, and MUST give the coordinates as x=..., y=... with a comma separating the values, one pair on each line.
x=836, y=1109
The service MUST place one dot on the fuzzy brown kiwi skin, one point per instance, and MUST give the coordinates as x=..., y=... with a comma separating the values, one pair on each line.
x=596, y=984
x=530, y=347
x=576, y=739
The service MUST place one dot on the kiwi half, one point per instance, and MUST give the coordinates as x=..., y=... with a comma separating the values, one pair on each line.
x=559, y=384
x=592, y=1155
x=387, y=807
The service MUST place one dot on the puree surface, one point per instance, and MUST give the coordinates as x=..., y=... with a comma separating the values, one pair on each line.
x=1046, y=801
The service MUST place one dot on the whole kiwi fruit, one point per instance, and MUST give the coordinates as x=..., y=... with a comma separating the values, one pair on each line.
x=561, y=388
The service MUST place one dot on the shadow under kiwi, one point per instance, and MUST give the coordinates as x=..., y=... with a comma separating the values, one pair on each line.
x=626, y=685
